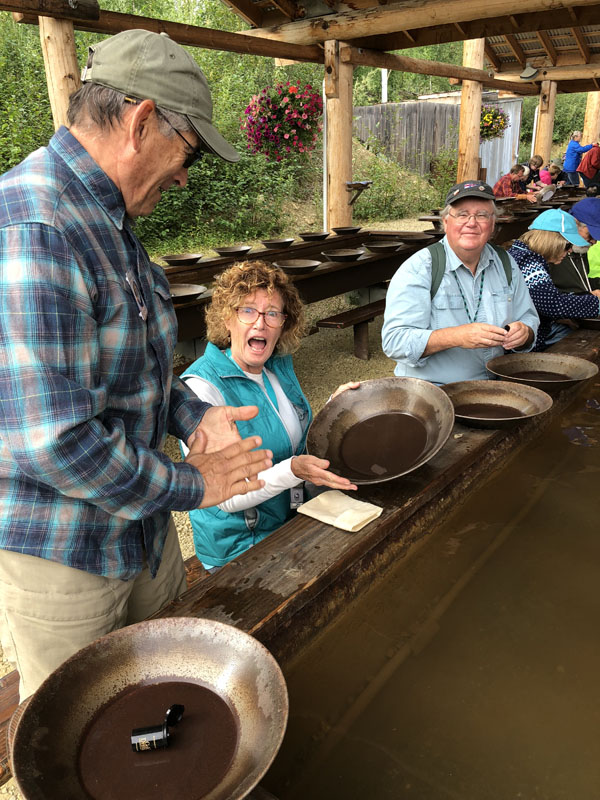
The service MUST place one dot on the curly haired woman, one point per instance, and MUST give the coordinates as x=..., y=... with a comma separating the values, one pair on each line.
x=254, y=322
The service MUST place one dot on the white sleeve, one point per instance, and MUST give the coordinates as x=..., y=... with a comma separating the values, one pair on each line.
x=278, y=478
x=206, y=391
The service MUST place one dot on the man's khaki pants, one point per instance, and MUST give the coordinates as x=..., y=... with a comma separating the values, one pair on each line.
x=50, y=611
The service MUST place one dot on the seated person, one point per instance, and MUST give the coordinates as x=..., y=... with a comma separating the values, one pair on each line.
x=553, y=174
x=509, y=185
x=480, y=309
x=550, y=236
x=255, y=320
x=535, y=164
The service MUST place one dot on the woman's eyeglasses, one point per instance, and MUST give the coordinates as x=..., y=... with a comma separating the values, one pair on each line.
x=247, y=315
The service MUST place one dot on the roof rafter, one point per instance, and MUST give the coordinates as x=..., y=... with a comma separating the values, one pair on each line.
x=516, y=48
x=491, y=56
x=548, y=46
x=581, y=44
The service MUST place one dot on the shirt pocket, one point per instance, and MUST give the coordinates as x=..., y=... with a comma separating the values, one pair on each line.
x=162, y=328
x=447, y=309
x=502, y=300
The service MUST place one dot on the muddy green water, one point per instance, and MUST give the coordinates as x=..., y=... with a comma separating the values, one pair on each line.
x=471, y=671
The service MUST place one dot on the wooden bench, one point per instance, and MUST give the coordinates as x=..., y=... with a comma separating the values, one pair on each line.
x=359, y=318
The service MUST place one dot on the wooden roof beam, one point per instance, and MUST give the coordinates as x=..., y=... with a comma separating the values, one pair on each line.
x=288, y=8
x=574, y=72
x=482, y=28
x=491, y=56
x=58, y=9
x=516, y=48
x=546, y=43
x=375, y=58
x=581, y=44
x=111, y=22
x=405, y=15
x=247, y=10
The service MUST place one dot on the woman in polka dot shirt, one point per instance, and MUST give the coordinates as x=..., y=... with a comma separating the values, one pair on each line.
x=550, y=236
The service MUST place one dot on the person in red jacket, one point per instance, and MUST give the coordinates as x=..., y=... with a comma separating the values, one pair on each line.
x=590, y=166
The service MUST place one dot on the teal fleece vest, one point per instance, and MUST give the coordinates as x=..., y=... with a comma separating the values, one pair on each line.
x=219, y=536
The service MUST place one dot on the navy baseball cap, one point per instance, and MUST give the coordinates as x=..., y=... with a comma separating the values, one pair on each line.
x=587, y=211
x=470, y=189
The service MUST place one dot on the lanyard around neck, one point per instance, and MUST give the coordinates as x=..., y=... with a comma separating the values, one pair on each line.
x=471, y=319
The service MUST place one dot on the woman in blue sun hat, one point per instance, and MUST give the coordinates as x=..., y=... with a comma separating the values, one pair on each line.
x=550, y=236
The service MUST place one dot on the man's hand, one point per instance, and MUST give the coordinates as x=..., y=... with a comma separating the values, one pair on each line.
x=218, y=429
x=229, y=471
x=313, y=469
x=518, y=335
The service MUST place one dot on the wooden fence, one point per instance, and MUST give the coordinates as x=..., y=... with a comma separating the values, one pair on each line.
x=410, y=133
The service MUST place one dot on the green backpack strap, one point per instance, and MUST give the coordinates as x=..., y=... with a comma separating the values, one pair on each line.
x=438, y=264
x=505, y=259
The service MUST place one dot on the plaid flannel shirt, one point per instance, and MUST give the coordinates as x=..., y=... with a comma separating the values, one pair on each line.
x=87, y=393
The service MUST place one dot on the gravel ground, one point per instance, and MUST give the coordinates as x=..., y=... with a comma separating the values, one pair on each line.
x=323, y=362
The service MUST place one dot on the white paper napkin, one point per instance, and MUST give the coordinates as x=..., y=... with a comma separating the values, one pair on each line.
x=336, y=508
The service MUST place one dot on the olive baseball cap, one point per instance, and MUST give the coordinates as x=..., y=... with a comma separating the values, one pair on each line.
x=151, y=66
x=470, y=189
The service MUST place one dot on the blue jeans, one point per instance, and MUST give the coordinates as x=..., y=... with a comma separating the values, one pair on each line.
x=573, y=178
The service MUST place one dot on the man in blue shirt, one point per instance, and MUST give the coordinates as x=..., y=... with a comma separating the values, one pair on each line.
x=474, y=316
x=87, y=331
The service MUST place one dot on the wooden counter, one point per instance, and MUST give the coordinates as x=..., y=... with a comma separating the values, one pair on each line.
x=293, y=582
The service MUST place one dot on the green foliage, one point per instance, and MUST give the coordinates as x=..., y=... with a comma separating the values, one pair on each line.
x=443, y=174
x=222, y=203
x=25, y=118
x=568, y=117
x=406, y=85
x=396, y=192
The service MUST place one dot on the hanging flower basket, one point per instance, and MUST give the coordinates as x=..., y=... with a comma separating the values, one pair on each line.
x=494, y=121
x=283, y=119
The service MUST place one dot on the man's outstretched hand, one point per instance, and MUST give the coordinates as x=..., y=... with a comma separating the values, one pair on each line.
x=218, y=428
x=231, y=470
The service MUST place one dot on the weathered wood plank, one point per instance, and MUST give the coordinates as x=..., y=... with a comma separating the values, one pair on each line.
x=65, y=9
x=111, y=22
x=401, y=16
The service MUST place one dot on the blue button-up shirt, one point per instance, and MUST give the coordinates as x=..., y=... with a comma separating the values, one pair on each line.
x=411, y=315
x=87, y=393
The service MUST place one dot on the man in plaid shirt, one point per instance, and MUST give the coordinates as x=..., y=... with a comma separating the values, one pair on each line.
x=87, y=393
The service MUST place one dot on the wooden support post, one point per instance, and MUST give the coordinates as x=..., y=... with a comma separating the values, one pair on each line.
x=591, y=125
x=470, y=114
x=545, y=125
x=338, y=91
x=60, y=60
